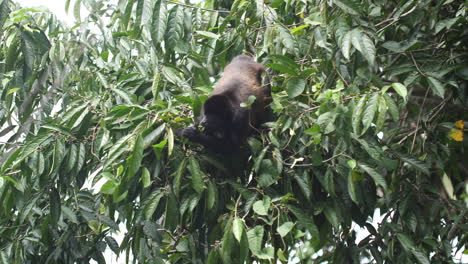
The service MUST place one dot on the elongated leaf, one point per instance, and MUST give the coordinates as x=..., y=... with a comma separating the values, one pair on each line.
x=282, y=68
x=392, y=107
x=420, y=256
x=152, y=203
x=227, y=244
x=170, y=140
x=81, y=157
x=134, y=161
x=72, y=157
x=305, y=220
x=436, y=86
x=59, y=129
x=212, y=195
x=406, y=241
x=381, y=116
x=357, y=114
x=364, y=45
x=352, y=188
x=417, y=164
x=348, y=6
x=401, y=90
x=55, y=206
x=238, y=228
x=175, y=26
x=77, y=10
x=159, y=22
x=197, y=175
x=145, y=178
x=378, y=178
x=346, y=45
x=117, y=149
x=369, y=112
x=69, y=214
x=112, y=243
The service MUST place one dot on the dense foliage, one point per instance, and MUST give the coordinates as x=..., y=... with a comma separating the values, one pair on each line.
x=365, y=99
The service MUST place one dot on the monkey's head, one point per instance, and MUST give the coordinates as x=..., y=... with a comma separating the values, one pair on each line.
x=217, y=116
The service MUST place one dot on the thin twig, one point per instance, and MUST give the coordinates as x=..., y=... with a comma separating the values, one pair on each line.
x=419, y=120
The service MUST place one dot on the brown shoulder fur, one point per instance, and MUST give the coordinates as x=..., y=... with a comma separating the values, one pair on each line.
x=241, y=79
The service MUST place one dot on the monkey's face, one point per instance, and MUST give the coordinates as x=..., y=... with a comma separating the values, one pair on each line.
x=213, y=125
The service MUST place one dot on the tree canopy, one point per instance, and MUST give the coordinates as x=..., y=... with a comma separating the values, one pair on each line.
x=370, y=103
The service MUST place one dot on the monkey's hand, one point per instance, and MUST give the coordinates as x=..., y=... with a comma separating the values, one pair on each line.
x=190, y=133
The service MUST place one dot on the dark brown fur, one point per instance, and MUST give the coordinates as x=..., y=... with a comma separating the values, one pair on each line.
x=225, y=123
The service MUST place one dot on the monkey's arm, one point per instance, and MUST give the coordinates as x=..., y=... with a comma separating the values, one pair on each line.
x=224, y=145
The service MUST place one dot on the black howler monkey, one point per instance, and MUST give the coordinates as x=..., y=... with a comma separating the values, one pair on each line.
x=224, y=124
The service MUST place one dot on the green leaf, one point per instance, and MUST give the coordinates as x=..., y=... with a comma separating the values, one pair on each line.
x=113, y=245
x=117, y=149
x=282, y=68
x=406, y=242
x=227, y=244
x=381, y=116
x=267, y=174
x=420, y=256
x=124, y=95
x=81, y=157
x=11, y=91
x=357, y=114
x=32, y=146
x=295, y=87
x=207, y=34
x=159, y=22
x=259, y=159
x=69, y=214
x=262, y=207
x=326, y=122
x=348, y=6
x=108, y=187
x=211, y=196
x=152, y=203
x=55, y=205
x=214, y=257
x=417, y=164
x=332, y=217
x=145, y=178
x=285, y=228
x=170, y=140
x=197, y=175
x=436, y=86
x=364, y=45
x=178, y=176
x=352, y=163
x=175, y=26
x=285, y=37
x=446, y=23
x=72, y=156
x=238, y=228
x=401, y=90
x=346, y=45
x=378, y=178
x=392, y=107
x=76, y=10
x=134, y=161
x=298, y=30
x=305, y=220
x=255, y=237
x=369, y=112
x=352, y=188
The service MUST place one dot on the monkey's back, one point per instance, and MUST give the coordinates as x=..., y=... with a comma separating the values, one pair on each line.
x=242, y=78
